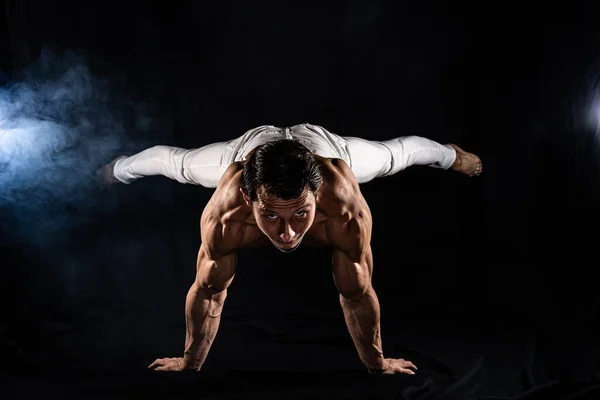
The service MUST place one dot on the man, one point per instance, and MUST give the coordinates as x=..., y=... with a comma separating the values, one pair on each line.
x=286, y=187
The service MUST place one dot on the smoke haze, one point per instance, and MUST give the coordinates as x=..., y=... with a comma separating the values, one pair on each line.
x=59, y=123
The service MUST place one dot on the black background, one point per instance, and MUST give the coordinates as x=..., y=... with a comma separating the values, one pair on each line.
x=487, y=284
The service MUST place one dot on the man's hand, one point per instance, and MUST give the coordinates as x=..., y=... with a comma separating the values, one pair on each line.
x=398, y=366
x=168, y=364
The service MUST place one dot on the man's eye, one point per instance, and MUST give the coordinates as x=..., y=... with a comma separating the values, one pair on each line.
x=272, y=217
x=300, y=213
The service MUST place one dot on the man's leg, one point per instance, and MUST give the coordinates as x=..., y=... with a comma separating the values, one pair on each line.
x=373, y=159
x=202, y=166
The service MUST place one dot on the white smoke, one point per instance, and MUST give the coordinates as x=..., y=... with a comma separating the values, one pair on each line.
x=58, y=124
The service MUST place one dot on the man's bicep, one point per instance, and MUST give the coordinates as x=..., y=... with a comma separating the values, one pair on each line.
x=352, y=275
x=214, y=272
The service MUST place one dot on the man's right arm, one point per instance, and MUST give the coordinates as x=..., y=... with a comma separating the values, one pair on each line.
x=204, y=303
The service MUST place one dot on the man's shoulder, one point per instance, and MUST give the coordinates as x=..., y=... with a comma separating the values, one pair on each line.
x=340, y=188
x=222, y=221
x=348, y=214
x=231, y=173
x=336, y=168
x=222, y=231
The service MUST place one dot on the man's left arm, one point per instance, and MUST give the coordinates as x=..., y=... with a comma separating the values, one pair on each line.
x=352, y=276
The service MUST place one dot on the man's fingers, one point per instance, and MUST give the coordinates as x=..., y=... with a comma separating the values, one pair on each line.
x=410, y=364
x=406, y=371
x=396, y=369
x=161, y=368
x=402, y=366
x=158, y=361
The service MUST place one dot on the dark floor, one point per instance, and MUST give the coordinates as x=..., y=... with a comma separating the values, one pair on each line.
x=297, y=357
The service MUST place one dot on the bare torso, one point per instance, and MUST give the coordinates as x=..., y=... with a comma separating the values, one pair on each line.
x=228, y=222
x=342, y=222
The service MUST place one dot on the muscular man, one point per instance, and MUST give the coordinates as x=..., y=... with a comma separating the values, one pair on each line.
x=285, y=187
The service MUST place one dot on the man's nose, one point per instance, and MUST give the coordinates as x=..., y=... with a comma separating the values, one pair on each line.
x=287, y=233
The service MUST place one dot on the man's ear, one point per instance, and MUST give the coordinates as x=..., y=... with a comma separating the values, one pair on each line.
x=246, y=198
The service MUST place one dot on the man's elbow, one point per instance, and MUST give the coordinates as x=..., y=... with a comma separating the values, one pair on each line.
x=207, y=291
x=356, y=293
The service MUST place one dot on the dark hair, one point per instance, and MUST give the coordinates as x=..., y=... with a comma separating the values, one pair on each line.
x=284, y=168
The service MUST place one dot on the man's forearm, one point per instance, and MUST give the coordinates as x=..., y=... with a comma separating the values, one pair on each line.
x=203, y=316
x=362, y=318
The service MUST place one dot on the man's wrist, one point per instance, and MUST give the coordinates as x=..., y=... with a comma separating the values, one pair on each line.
x=190, y=363
x=379, y=367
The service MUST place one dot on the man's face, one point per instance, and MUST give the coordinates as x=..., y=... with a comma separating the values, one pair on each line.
x=284, y=221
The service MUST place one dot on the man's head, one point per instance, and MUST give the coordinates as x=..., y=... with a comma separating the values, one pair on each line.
x=280, y=181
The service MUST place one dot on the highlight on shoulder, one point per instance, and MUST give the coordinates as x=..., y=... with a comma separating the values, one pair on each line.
x=227, y=196
x=337, y=170
x=234, y=169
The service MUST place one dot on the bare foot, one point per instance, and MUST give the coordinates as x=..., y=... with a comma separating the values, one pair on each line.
x=466, y=163
x=105, y=174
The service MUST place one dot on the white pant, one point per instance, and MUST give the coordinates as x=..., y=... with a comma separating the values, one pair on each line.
x=204, y=166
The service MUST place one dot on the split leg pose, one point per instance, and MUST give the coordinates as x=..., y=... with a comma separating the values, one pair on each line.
x=283, y=187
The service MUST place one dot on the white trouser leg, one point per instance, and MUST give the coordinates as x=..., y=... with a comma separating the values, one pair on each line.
x=374, y=159
x=202, y=166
